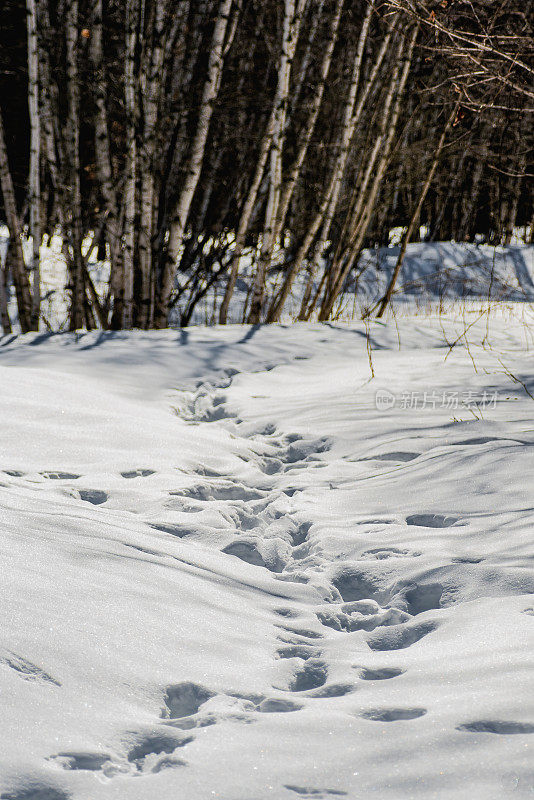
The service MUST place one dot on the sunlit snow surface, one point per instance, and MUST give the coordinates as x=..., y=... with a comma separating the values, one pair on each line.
x=226, y=573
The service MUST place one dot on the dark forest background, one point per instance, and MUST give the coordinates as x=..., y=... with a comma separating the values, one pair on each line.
x=205, y=142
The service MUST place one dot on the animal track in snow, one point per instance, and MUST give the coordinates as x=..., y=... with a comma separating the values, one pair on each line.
x=297, y=651
x=138, y=473
x=174, y=530
x=399, y=637
x=94, y=496
x=311, y=792
x=276, y=705
x=431, y=520
x=306, y=634
x=497, y=726
x=379, y=674
x=312, y=675
x=393, y=714
x=361, y=615
x=168, y=762
x=246, y=551
x=154, y=743
x=467, y=559
x=397, y=456
x=221, y=491
x=333, y=690
x=423, y=597
x=26, y=669
x=383, y=553
x=300, y=536
x=184, y=699
x=356, y=584
x=60, y=476
x=286, y=612
x=272, y=557
x=35, y=791
x=81, y=761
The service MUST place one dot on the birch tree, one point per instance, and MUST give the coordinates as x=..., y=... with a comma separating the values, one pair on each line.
x=181, y=210
x=291, y=28
x=35, y=159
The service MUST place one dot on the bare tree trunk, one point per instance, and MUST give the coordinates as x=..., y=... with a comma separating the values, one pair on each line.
x=291, y=28
x=417, y=211
x=20, y=276
x=73, y=137
x=336, y=178
x=151, y=84
x=397, y=86
x=132, y=21
x=4, y=311
x=111, y=232
x=35, y=159
x=181, y=210
x=309, y=126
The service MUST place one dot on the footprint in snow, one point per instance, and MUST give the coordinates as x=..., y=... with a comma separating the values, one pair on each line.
x=138, y=473
x=312, y=792
x=432, y=521
x=154, y=743
x=393, y=714
x=383, y=553
x=35, y=791
x=399, y=637
x=26, y=669
x=399, y=456
x=184, y=699
x=311, y=676
x=497, y=726
x=94, y=496
x=301, y=632
x=81, y=761
x=60, y=476
x=379, y=674
x=297, y=651
x=277, y=705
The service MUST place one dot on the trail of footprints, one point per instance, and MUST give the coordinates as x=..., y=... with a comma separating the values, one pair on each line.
x=268, y=537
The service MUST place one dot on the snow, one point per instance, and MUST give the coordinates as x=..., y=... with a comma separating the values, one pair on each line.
x=230, y=571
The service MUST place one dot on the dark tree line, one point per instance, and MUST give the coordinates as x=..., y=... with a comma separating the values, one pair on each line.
x=206, y=142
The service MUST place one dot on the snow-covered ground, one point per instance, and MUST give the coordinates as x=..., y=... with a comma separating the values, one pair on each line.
x=235, y=565
x=440, y=276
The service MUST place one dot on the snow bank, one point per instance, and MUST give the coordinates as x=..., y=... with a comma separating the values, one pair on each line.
x=236, y=566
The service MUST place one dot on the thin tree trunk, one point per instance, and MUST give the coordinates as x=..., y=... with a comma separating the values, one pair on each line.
x=309, y=126
x=4, y=311
x=110, y=232
x=337, y=176
x=132, y=21
x=151, y=92
x=20, y=276
x=73, y=135
x=397, y=86
x=414, y=221
x=196, y=158
x=291, y=29
x=35, y=159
